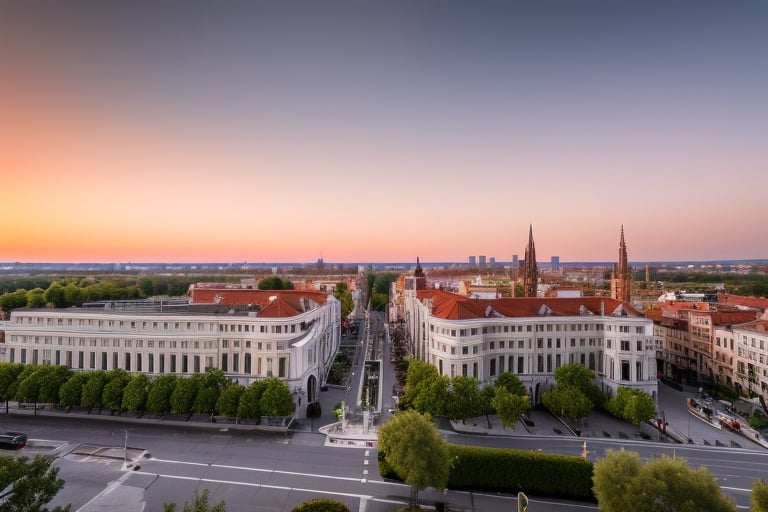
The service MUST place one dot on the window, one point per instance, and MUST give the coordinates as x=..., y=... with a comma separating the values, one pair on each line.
x=464, y=351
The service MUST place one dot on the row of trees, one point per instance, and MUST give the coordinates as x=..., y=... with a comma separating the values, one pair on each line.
x=460, y=398
x=575, y=395
x=40, y=292
x=210, y=393
x=377, y=288
x=74, y=291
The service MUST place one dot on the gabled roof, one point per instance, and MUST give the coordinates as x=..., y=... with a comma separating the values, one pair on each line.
x=279, y=308
x=451, y=306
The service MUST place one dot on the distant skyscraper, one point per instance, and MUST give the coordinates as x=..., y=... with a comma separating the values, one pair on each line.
x=493, y=261
x=555, y=262
x=472, y=261
x=530, y=270
x=622, y=276
x=481, y=261
x=515, y=262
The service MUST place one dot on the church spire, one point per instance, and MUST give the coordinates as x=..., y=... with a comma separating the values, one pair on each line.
x=530, y=270
x=419, y=272
x=622, y=275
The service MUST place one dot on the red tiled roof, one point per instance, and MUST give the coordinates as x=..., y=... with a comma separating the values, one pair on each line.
x=451, y=306
x=740, y=300
x=272, y=303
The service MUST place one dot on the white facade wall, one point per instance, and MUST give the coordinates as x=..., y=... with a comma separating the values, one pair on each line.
x=298, y=349
x=619, y=349
x=751, y=371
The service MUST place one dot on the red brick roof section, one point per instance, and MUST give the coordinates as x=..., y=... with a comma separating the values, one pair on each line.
x=272, y=303
x=740, y=300
x=451, y=306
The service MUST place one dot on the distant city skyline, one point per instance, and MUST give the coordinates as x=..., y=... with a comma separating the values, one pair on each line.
x=382, y=131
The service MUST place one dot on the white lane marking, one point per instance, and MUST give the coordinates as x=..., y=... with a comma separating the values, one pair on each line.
x=261, y=486
x=258, y=470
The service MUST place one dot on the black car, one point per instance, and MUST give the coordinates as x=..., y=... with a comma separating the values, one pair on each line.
x=13, y=440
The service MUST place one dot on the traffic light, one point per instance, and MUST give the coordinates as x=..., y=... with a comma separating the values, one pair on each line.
x=522, y=502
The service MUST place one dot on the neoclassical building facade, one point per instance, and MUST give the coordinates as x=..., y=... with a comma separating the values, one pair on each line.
x=248, y=334
x=531, y=337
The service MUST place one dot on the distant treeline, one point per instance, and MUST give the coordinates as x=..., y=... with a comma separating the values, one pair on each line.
x=750, y=285
x=41, y=291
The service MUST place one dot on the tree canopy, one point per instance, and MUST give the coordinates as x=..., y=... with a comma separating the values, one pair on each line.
x=622, y=482
x=412, y=446
x=632, y=405
x=28, y=485
x=199, y=503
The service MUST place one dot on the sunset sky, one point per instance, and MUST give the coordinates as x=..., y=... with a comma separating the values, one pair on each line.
x=381, y=131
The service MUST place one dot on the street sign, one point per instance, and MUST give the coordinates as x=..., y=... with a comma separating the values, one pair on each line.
x=522, y=502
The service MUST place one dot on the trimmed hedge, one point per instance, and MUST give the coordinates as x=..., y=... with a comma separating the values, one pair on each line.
x=322, y=505
x=507, y=470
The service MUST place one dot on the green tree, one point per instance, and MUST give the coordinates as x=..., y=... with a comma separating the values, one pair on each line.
x=229, y=400
x=379, y=301
x=276, y=399
x=112, y=397
x=71, y=392
x=275, y=283
x=73, y=295
x=511, y=383
x=567, y=401
x=28, y=389
x=54, y=295
x=13, y=300
x=510, y=406
x=580, y=377
x=93, y=389
x=36, y=298
x=249, y=406
x=425, y=389
x=759, y=497
x=411, y=445
x=146, y=287
x=184, y=394
x=464, y=399
x=135, y=393
x=28, y=485
x=199, y=503
x=622, y=482
x=632, y=405
x=9, y=374
x=159, y=397
x=211, y=384
x=53, y=378
x=344, y=296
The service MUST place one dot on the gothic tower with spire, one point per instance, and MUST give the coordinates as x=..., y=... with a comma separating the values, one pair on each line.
x=530, y=270
x=621, y=280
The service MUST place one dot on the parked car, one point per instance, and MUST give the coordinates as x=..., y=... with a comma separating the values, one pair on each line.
x=13, y=440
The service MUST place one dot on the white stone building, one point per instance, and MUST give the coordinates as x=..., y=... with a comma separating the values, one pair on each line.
x=290, y=335
x=531, y=337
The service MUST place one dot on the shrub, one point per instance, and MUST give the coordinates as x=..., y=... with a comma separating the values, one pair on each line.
x=322, y=505
x=507, y=470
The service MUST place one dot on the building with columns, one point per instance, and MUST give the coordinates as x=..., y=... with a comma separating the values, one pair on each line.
x=248, y=334
x=531, y=337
